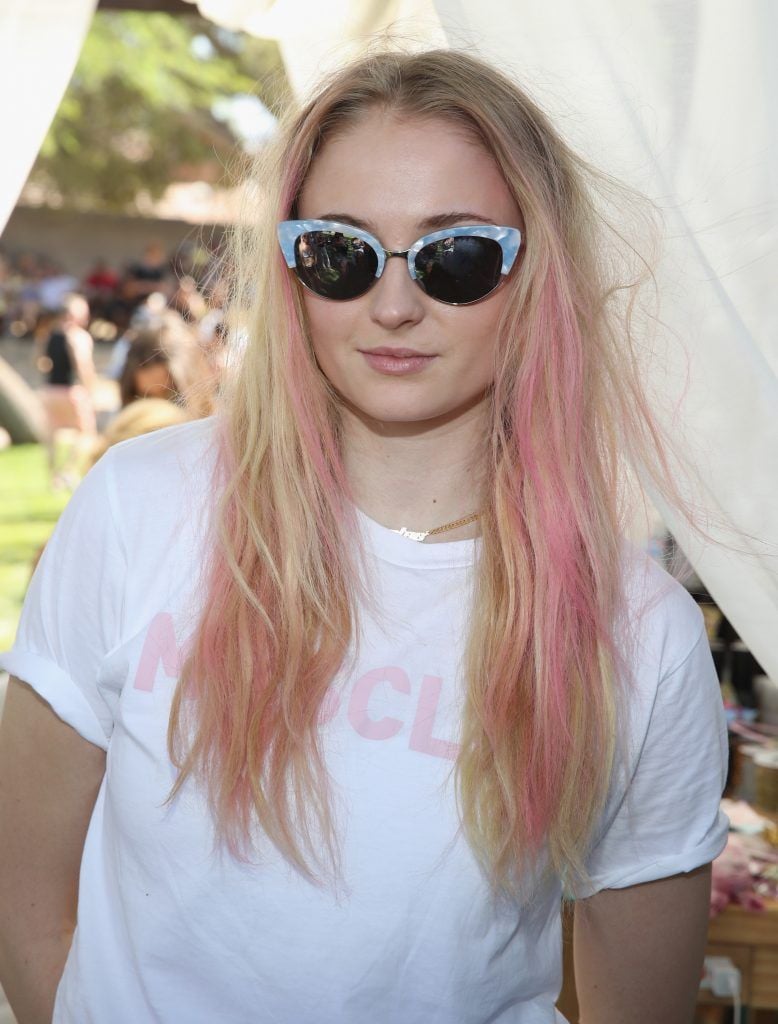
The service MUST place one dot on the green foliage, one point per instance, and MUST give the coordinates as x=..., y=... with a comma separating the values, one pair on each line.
x=28, y=513
x=138, y=109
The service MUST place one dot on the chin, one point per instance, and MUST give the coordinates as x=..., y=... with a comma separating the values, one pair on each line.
x=410, y=415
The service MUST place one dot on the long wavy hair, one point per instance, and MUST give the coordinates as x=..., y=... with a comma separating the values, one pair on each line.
x=546, y=664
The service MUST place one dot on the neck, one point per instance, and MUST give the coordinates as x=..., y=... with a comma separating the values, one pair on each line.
x=420, y=475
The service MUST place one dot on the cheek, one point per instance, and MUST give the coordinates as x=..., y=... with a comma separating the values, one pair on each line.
x=477, y=328
x=328, y=323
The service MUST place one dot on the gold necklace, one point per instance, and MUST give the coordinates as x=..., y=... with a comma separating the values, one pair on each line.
x=421, y=535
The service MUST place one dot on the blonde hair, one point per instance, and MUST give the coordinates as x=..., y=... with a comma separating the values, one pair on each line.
x=143, y=416
x=546, y=674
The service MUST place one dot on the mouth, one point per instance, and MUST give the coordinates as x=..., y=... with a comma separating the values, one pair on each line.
x=396, y=353
x=396, y=362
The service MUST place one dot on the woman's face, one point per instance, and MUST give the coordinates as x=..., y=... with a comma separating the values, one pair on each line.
x=153, y=380
x=399, y=180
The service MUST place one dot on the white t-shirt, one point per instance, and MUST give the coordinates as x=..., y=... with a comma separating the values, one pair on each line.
x=171, y=930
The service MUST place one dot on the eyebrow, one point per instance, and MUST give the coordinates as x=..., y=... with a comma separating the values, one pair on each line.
x=438, y=220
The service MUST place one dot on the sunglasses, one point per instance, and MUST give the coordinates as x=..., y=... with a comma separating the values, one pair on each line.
x=456, y=265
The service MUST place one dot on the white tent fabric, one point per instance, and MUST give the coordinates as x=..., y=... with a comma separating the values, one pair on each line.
x=316, y=36
x=679, y=98
x=40, y=41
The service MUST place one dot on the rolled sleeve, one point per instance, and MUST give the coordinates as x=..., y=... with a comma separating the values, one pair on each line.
x=57, y=689
x=669, y=820
x=71, y=616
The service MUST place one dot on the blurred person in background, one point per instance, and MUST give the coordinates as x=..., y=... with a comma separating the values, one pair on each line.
x=149, y=311
x=149, y=274
x=24, y=292
x=55, y=285
x=68, y=365
x=141, y=279
x=188, y=301
x=165, y=360
x=99, y=287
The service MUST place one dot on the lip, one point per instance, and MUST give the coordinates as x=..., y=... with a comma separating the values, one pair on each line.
x=396, y=353
x=396, y=362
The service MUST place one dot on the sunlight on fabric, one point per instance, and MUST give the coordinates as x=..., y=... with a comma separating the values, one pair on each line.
x=315, y=37
x=679, y=100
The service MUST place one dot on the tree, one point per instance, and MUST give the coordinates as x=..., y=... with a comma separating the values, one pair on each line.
x=139, y=110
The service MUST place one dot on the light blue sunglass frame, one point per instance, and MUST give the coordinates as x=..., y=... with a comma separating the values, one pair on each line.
x=509, y=240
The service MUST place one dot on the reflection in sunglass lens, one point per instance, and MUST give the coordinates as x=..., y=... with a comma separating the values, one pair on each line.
x=335, y=265
x=459, y=269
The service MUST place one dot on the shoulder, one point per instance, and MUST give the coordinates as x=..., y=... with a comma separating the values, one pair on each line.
x=663, y=619
x=162, y=478
x=180, y=449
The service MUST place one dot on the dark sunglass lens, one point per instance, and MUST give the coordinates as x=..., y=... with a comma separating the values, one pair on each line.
x=459, y=269
x=335, y=265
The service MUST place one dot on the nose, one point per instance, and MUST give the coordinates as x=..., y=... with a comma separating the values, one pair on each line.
x=395, y=299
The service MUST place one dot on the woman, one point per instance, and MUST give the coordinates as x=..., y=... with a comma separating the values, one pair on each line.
x=385, y=679
x=164, y=360
x=70, y=383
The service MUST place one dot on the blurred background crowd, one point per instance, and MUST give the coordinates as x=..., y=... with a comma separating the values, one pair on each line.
x=34, y=285
x=149, y=331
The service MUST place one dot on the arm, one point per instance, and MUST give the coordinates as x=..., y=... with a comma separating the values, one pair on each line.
x=49, y=779
x=80, y=345
x=638, y=951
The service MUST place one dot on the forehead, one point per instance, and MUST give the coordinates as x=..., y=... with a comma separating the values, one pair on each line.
x=395, y=172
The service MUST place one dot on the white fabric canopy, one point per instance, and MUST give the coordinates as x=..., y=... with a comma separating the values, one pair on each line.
x=678, y=98
x=40, y=41
x=316, y=35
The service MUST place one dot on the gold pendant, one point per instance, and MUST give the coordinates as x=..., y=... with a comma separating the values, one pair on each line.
x=411, y=534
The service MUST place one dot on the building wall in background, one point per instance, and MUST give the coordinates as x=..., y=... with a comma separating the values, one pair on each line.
x=76, y=239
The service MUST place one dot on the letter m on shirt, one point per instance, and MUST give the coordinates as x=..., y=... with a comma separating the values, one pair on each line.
x=160, y=648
